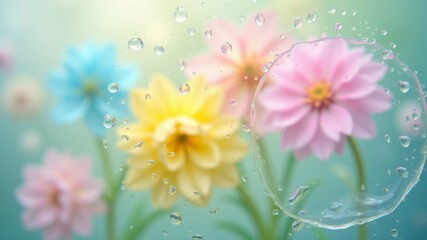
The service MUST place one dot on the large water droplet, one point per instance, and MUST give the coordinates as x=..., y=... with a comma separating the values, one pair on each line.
x=109, y=121
x=297, y=226
x=402, y=172
x=135, y=43
x=226, y=48
x=113, y=87
x=404, y=86
x=181, y=64
x=175, y=218
x=180, y=14
x=298, y=194
x=311, y=17
x=184, y=88
x=159, y=50
x=394, y=232
x=405, y=141
x=297, y=22
x=259, y=19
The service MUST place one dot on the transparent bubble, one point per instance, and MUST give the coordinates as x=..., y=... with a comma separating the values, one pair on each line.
x=226, y=48
x=297, y=22
x=113, y=87
x=338, y=174
x=109, y=121
x=175, y=218
x=135, y=43
x=180, y=14
x=311, y=17
x=159, y=50
x=259, y=19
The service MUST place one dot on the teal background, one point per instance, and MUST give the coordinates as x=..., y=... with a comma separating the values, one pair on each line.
x=40, y=30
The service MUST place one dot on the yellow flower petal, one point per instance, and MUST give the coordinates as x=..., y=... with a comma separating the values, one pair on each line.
x=173, y=159
x=203, y=153
x=164, y=95
x=140, y=174
x=160, y=196
x=143, y=108
x=190, y=180
x=132, y=136
x=233, y=149
x=225, y=176
x=223, y=127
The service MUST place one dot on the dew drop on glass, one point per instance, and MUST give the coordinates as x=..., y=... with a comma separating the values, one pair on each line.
x=394, y=233
x=331, y=10
x=404, y=86
x=402, y=172
x=311, y=17
x=171, y=189
x=328, y=191
x=297, y=226
x=191, y=31
x=197, y=237
x=298, y=194
x=180, y=14
x=147, y=97
x=297, y=22
x=135, y=44
x=405, y=141
x=138, y=145
x=337, y=26
x=259, y=19
x=214, y=211
x=275, y=212
x=184, y=88
x=109, y=121
x=383, y=32
x=343, y=12
x=125, y=137
x=165, y=232
x=226, y=48
x=150, y=162
x=181, y=64
x=244, y=178
x=159, y=50
x=208, y=34
x=175, y=218
x=113, y=87
x=393, y=45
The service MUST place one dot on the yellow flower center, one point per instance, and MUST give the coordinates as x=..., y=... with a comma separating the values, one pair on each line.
x=250, y=71
x=89, y=88
x=319, y=94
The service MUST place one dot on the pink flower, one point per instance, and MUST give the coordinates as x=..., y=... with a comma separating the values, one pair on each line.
x=324, y=92
x=6, y=57
x=60, y=196
x=237, y=67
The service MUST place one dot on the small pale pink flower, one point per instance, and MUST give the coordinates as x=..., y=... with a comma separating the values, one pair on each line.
x=60, y=197
x=6, y=56
x=321, y=94
x=238, y=57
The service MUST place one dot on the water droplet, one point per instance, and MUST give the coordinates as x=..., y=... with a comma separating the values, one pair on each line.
x=334, y=205
x=165, y=232
x=125, y=137
x=311, y=17
x=353, y=13
x=259, y=19
x=387, y=54
x=404, y=86
x=331, y=10
x=109, y=121
x=388, y=172
x=405, y=141
x=226, y=48
x=208, y=34
x=147, y=97
x=280, y=188
x=297, y=226
x=196, y=195
x=297, y=22
x=181, y=64
x=414, y=115
x=171, y=154
x=202, y=4
x=122, y=187
x=275, y=212
x=171, y=189
x=123, y=101
x=191, y=31
x=184, y=88
x=402, y=172
x=135, y=43
x=337, y=26
x=343, y=12
x=175, y=218
x=150, y=162
x=105, y=143
x=383, y=32
x=394, y=232
x=180, y=14
x=244, y=178
x=197, y=237
x=232, y=102
x=363, y=187
x=246, y=128
x=138, y=145
x=387, y=138
x=393, y=45
x=214, y=211
x=113, y=87
x=165, y=180
x=159, y=50
x=298, y=194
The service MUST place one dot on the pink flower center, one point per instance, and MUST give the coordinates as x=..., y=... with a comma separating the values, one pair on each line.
x=319, y=94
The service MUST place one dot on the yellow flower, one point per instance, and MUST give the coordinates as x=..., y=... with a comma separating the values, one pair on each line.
x=182, y=144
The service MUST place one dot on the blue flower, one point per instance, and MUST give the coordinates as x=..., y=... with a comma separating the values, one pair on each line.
x=82, y=86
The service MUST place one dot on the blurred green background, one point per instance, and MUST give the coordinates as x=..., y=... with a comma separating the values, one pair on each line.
x=38, y=32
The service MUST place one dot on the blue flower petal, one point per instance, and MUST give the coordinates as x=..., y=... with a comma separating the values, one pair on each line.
x=94, y=120
x=70, y=109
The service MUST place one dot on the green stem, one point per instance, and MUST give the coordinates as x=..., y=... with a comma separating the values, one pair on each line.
x=361, y=178
x=111, y=190
x=253, y=209
x=289, y=168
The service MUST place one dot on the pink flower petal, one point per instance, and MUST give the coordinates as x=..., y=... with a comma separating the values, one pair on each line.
x=280, y=99
x=322, y=146
x=335, y=120
x=281, y=120
x=295, y=138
